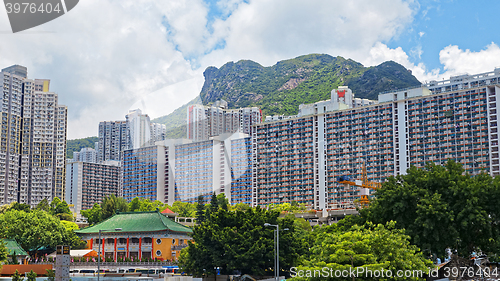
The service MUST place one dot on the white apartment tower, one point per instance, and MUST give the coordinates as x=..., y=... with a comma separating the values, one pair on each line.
x=204, y=122
x=32, y=141
x=136, y=132
x=86, y=154
x=139, y=129
x=158, y=132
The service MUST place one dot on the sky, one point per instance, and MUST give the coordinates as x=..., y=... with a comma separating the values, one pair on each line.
x=106, y=57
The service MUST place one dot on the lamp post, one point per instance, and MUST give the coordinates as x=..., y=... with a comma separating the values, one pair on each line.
x=99, y=249
x=276, y=250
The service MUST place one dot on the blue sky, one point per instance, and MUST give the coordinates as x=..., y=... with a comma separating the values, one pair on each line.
x=106, y=57
x=468, y=24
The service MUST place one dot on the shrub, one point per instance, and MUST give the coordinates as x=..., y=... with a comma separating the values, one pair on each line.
x=31, y=276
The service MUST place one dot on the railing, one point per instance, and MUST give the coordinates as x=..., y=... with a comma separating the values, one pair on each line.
x=179, y=247
x=130, y=263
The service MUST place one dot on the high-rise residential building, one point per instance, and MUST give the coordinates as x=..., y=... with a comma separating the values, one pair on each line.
x=158, y=132
x=113, y=139
x=286, y=162
x=139, y=129
x=86, y=154
x=299, y=159
x=145, y=173
x=170, y=156
x=205, y=167
x=136, y=132
x=17, y=70
x=241, y=170
x=204, y=122
x=181, y=170
x=33, y=139
x=88, y=183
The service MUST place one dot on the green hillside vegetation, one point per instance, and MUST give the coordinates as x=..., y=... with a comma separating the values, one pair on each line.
x=281, y=88
x=387, y=76
x=176, y=121
x=78, y=144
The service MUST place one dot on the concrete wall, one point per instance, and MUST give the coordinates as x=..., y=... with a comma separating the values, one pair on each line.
x=39, y=269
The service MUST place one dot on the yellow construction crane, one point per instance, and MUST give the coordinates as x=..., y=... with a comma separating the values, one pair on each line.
x=364, y=183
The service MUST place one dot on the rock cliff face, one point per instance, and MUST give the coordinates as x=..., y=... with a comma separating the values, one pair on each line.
x=281, y=88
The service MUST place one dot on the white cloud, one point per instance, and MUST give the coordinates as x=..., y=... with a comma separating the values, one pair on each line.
x=457, y=61
x=268, y=31
x=107, y=56
x=381, y=53
x=104, y=56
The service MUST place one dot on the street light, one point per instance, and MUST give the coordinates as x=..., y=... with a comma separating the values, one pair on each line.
x=276, y=249
x=99, y=249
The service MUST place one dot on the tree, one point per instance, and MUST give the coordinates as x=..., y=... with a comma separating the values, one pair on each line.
x=20, y=207
x=17, y=276
x=93, y=215
x=287, y=207
x=70, y=238
x=144, y=205
x=214, y=203
x=3, y=253
x=134, y=205
x=60, y=209
x=373, y=247
x=32, y=230
x=53, y=205
x=441, y=207
x=240, y=207
x=50, y=275
x=31, y=276
x=4, y=208
x=222, y=201
x=240, y=241
x=111, y=205
x=184, y=209
x=13, y=258
x=43, y=205
x=200, y=210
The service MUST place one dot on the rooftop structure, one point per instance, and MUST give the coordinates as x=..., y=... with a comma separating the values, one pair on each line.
x=14, y=248
x=18, y=70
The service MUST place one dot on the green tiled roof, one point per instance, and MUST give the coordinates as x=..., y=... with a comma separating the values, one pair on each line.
x=136, y=222
x=12, y=247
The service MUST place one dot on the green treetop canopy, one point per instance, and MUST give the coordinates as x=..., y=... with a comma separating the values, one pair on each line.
x=136, y=222
x=13, y=247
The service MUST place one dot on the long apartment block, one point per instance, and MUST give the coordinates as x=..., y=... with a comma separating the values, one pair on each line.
x=300, y=158
x=181, y=170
